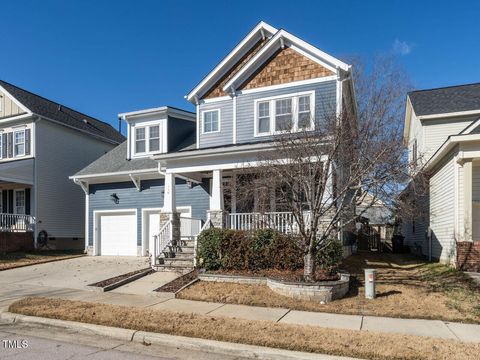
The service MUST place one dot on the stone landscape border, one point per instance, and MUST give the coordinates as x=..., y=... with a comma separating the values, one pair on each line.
x=322, y=292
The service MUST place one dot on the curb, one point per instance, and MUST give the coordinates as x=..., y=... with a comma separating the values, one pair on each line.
x=119, y=283
x=180, y=342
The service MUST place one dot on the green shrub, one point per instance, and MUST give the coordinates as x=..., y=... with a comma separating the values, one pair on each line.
x=330, y=255
x=241, y=250
x=284, y=252
x=209, y=248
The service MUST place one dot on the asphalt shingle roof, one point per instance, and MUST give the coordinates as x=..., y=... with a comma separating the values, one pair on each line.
x=446, y=100
x=57, y=112
x=116, y=161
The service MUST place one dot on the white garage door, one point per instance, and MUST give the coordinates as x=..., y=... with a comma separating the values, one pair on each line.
x=118, y=234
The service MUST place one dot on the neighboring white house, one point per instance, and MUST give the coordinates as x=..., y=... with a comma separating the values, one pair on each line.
x=41, y=144
x=442, y=132
x=269, y=79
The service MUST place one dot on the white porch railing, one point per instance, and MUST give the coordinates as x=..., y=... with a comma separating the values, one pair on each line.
x=189, y=227
x=161, y=241
x=283, y=222
x=16, y=222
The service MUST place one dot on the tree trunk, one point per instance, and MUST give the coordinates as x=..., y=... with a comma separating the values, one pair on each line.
x=309, y=266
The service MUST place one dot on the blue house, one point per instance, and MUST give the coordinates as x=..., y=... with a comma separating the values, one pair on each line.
x=167, y=180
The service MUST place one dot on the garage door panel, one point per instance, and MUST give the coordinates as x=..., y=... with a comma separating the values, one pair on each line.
x=118, y=234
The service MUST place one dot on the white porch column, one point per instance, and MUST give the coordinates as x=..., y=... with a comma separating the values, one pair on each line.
x=169, y=201
x=216, y=200
x=233, y=192
x=467, y=200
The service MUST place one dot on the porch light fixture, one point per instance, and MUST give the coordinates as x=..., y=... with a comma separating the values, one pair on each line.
x=115, y=198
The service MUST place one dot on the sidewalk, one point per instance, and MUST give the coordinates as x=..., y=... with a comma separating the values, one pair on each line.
x=165, y=301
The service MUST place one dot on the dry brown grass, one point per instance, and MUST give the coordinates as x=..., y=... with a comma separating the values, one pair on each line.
x=363, y=344
x=407, y=287
x=21, y=259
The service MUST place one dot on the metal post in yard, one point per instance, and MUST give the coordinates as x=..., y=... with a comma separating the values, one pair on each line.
x=370, y=278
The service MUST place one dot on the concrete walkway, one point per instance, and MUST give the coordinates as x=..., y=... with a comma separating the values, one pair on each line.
x=165, y=301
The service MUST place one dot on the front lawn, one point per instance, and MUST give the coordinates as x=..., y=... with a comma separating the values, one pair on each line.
x=407, y=287
x=20, y=259
x=358, y=344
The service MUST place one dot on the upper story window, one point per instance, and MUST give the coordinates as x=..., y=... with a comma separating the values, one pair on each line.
x=19, y=143
x=211, y=121
x=284, y=114
x=140, y=140
x=147, y=139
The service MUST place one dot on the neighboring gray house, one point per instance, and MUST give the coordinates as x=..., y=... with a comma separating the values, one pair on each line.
x=442, y=132
x=41, y=144
x=167, y=180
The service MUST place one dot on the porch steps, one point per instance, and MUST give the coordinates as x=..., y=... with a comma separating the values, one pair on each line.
x=177, y=258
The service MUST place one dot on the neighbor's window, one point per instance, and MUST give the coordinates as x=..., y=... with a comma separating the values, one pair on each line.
x=20, y=202
x=263, y=117
x=289, y=113
x=19, y=148
x=1, y=146
x=414, y=152
x=211, y=121
x=140, y=140
x=283, y=115
x=154, y=138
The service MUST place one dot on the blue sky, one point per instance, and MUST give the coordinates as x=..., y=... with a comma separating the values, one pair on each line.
x=106, y=57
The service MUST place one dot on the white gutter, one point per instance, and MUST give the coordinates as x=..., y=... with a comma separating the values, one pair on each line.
x=159, y=111
x=448, y=145
x=451, y=114
x=89, y=176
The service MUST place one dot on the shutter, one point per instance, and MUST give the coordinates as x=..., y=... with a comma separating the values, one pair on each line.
x=10, y=145
x=10, y=202
x=27, y=201
x=27, y=141
x=4, y=201
x=4, y=145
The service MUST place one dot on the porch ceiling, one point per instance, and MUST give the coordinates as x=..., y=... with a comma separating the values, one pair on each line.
x=20, y=171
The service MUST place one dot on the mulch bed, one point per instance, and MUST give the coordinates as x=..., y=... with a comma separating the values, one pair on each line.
x=116, y=279
x=277, y=274
x=178, y=283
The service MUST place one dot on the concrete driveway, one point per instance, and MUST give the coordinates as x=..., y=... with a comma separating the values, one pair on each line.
x=73, y=273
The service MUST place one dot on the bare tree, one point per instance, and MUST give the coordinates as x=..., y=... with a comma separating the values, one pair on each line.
x=321, y=169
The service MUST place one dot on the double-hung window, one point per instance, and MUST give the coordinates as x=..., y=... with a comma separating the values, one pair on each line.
x=140, y=144
x=154, y=138
x=19, y=143
x=211, y=121
x=290, y=113
x=19, y=201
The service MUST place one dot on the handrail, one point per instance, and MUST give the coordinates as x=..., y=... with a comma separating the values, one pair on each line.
x=16, y=222
x=208, y=224
x=161, y=241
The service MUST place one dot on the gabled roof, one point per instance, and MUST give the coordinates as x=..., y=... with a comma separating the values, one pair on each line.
x=56, y=112
x=281, y=39
x=452, y=99
x=261, y=31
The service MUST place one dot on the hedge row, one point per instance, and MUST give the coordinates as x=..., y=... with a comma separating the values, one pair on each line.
x=261, y=249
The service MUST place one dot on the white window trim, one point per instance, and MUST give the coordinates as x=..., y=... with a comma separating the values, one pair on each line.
x=15, y=143
x=219, y=121
x=272, y=99
x=146, y=126
x=15, y=192
x=1, y=144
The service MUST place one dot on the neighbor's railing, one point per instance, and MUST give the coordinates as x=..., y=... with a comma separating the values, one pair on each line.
x=16, y=222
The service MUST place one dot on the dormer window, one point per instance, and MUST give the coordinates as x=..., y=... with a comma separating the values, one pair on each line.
x=154, y=138
x=211, y=121
x=140, y=140
x=286, y=113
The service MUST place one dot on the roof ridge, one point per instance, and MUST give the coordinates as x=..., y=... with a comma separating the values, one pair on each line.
x=443, y=87
x=54, y=102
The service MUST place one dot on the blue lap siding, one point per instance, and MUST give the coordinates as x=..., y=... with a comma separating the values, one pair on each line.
x=151, y=196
